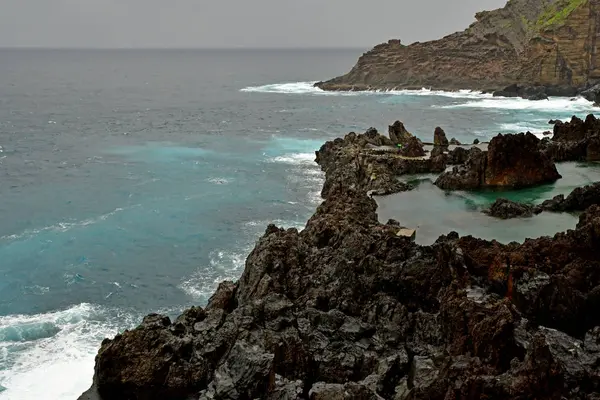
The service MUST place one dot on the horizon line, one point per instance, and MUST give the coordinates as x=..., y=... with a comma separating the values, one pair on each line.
x=279, y=48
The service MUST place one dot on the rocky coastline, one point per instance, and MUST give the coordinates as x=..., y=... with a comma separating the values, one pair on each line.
x=350, y=308
x=529, y=48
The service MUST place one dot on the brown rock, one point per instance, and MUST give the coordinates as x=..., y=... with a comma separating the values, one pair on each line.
x=399, y=134
x=511, y=161
x=413, y=148
x=540, y=44
x=439, y=138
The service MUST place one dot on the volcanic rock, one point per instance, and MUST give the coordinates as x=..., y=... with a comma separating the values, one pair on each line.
x=439, y=138
x=399, y=134
x=529, y=48
x=346, y=309
x=413, y=148
x=576, y=140
x=511, y=161
x=505, y=209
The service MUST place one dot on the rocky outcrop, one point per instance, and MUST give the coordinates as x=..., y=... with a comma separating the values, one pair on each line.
x=351, y=163
x=398, y=134
x=513, y=161
x=577, y=140
x=529, y=48
x=439, y=138
x=505, y=209
x=347, y=309
x=580, y=199
x=413, y=147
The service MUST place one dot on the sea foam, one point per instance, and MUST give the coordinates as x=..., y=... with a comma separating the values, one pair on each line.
x=51, y=356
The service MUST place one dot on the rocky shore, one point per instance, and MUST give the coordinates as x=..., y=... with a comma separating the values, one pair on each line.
x=349, y=308
x=529, y=48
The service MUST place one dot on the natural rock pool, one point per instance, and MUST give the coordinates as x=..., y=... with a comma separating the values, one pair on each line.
x=434, y=212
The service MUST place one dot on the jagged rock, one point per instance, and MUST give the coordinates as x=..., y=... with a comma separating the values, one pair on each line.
x=505, y=209
x=511, y=161
x=349, y=164
x=467, y=176
x=455, y=142
x=576, y=129
x=578, y=200
x=349, y=391
x=398, y=134
x=373, y=137
x=413, y=148
x=346, y=309
x=592, y=94
x=537, y=96
x=150, y=362
x=439, y=138
x=458, y=155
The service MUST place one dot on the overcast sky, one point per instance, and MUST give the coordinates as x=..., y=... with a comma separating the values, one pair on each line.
x=230, y=23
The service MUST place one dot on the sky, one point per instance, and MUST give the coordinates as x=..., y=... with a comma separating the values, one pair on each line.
x=230, y=23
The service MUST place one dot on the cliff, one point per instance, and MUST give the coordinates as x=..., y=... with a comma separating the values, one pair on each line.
x=550, y=43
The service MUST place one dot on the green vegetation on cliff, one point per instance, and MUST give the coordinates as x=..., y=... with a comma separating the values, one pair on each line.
x=557, y=13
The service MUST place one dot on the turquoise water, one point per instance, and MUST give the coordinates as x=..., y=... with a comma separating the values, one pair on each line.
x=460, y=211
x=135, y=181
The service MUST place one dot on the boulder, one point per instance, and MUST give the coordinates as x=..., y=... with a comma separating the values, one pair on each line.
x=439, y=138
x=398, y=134
x=537, y=96
x=513, y=161
x=458, y=155
x=476, y=141
x=592, y=93
x=505, y=209
x=455, y=142
x=413, y=148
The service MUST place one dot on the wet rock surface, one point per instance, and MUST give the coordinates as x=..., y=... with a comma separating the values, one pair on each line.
x=513, y=161
x=346, y=309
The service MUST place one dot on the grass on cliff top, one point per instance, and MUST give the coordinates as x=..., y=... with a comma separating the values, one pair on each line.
x=556, y=14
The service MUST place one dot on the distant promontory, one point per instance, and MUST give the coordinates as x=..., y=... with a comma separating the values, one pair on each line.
x=528, y=48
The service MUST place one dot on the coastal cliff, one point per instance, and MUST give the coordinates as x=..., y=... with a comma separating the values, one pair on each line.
x=349, y=308
x=547, y=43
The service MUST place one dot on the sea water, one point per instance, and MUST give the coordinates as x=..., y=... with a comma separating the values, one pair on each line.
x=135, y=181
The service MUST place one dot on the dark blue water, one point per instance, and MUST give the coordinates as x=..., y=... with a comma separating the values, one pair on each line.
x=135, y=181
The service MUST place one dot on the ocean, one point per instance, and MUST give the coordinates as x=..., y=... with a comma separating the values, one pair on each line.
x=134, y=181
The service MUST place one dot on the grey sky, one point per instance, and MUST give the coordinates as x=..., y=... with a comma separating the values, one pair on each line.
x=230, y=23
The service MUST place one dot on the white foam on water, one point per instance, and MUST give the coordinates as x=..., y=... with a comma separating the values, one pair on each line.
x=63, y=226
x=51, y=356
x=459, y=94
x=309, y=88
x=295, y=159
x=295, y=88
x=524, y=127
x=223, y=266
x=558, y=104
x=315, y=197
x=218, y=181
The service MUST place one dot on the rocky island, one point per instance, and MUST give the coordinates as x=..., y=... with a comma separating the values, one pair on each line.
x=349, y=308
x=528, y=48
